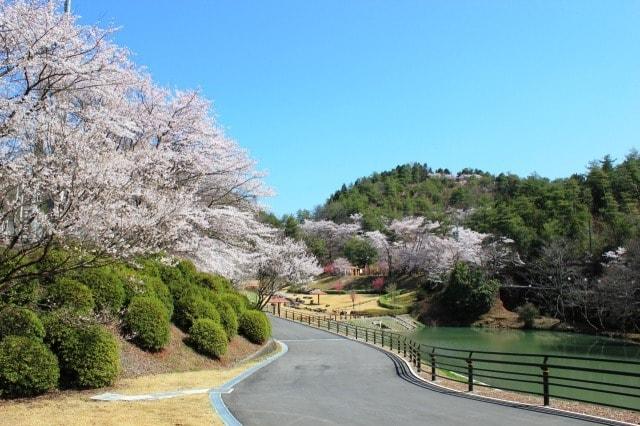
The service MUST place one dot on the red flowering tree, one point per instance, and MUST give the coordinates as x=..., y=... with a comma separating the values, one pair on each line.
x=377, y=284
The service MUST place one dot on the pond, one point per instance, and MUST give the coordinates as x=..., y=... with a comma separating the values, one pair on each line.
x=544, y=343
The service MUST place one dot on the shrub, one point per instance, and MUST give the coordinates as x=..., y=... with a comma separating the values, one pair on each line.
x=191, y=307
x=27, y=367
x=216, y=283
x=206, y=295
x=208, y=337
x=238, y=302
x=149, y=266
x=58, y=327
x=106, y=286
x=23, y=292
x=67, y=293
x=89, y=357
x=16, y=321
x=228, y=319
x=147, y=320
x=188, y=270
x=174, y=280
x=158, y=288
x=255, y=326
x=469, y=293
x=134, y=284
x=527, y=313
x=380, y=312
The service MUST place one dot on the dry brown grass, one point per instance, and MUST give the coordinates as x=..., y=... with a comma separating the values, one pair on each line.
x=77, y=408
x=339, y=301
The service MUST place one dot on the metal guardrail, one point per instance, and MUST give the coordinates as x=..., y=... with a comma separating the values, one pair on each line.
x=600, y=381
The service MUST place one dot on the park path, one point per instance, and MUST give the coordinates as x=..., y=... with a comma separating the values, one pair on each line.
x=325, y=379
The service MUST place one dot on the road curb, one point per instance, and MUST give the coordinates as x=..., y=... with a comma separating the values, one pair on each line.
x=215, y=396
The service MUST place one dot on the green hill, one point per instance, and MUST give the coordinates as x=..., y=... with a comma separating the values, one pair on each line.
x=596, y=210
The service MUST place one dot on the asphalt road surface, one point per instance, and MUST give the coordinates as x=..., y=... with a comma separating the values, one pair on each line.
x=328, y=380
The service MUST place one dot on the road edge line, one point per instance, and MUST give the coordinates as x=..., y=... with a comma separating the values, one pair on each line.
x=215, y=396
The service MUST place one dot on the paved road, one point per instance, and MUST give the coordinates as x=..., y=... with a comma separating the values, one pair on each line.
x=328, y=380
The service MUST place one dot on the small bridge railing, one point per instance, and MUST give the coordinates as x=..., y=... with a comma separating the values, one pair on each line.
x=601, y=381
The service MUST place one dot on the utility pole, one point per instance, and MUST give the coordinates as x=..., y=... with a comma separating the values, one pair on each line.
x=67, y=6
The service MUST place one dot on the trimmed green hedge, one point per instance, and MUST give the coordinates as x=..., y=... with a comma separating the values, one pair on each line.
x=158, y=288
x=238, y=302
x=147, y=319
x=208, y=337
x=215, y=283
x=378, y=312
x=106, y=286
x=67, y=293
x=191, y=307
x=188, y=270
x=397, y=309
x=228, y=319
x=89, y=357
x=27, y=367
x=17, y=321
x=358, y=291
x=255, y=326
x=57, y=327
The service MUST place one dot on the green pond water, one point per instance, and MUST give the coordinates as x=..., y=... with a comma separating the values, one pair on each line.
x=542, y=343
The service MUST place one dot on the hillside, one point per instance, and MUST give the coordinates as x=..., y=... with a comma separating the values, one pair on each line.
x=597, y=210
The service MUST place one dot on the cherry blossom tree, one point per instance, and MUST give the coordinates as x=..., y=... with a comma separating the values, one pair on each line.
x=281, y=262
x=342, y=266
x=335, y=235
x=95, y=156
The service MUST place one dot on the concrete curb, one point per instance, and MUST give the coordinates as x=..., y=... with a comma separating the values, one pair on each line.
x=215, y=396
x=408, y=373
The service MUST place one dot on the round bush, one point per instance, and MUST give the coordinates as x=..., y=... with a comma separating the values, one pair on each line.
x=255, y=326
x=89, y=357
x=106, y=286
x=27, y=367
x=161, y=291
x=57, y=327
x=215, y=283
x=147, y=320
x=191, y=307
x=208, y=337
x=16, y=321
x=149, y=266
x=188, y=270
x=237, y=301
x=228, y=319
x=23, y=292
x=67, y=293
x=174, y=280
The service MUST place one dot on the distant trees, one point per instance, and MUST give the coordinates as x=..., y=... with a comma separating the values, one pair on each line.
x=469, y=293
x=360, y=252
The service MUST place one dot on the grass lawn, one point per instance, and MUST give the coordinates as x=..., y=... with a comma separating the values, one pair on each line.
x=339, y=301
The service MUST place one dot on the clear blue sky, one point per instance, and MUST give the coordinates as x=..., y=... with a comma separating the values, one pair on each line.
x=322, y=92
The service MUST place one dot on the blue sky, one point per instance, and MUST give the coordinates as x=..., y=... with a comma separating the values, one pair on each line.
x=323, y=92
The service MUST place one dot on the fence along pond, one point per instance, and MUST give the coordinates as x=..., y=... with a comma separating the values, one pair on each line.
x=602, y=381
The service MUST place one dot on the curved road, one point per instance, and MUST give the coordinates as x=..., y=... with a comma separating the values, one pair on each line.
x=325, y=379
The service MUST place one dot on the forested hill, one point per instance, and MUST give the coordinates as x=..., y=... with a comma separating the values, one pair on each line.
x=596, y=210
